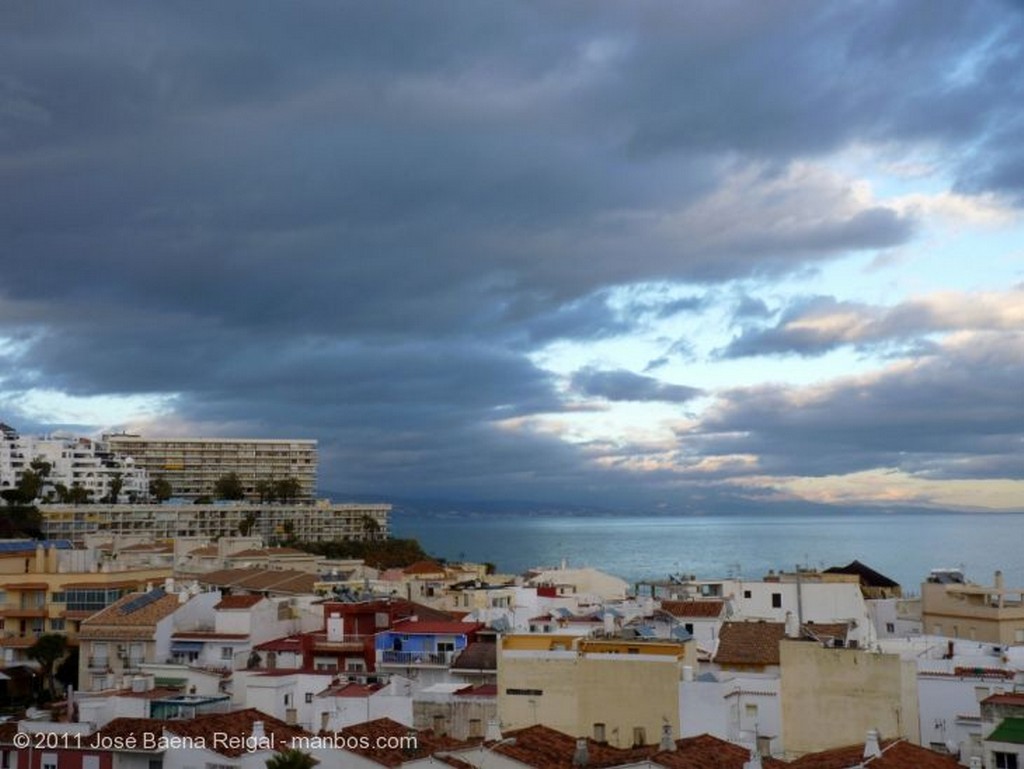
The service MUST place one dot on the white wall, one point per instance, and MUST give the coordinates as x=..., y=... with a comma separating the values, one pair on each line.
x=719, y=707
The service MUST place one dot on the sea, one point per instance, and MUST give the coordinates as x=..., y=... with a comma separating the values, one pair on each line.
x=903, y=546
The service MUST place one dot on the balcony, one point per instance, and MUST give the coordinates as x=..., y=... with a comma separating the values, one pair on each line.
x=99, y=663
x=18, y=610
x=416, y=659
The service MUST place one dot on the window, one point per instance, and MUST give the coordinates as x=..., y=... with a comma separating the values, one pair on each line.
x=750, y=710
x=639, y=736
x=747, y=594
x=599, y=732
x=49, y=761
x=689, y=627
x=58, y=597
x=524, y=692
x=57, y=625
x=309, y=698
x=227, y=652
x=1005, y=760
x=890, y=627
x=476, y=728
x=90, y=762
x=776, y=600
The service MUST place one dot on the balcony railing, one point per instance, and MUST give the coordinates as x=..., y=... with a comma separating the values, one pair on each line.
x=99, y=663
x=414, y=659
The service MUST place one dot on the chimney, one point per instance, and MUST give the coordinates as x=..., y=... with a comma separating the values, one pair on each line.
x=581, y=756
x=792, y=625
x=872, y=744
x=493, y=733
x=257, y=740
x=666, y=743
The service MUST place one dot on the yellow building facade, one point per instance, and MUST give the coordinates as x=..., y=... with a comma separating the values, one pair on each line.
x=619, y=691
x=830, y=697
x=48, y=590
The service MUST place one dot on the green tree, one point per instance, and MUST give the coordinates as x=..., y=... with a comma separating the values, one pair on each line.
x=371, y=529
x=41, y=467
x=48, y=650
x=67, y=671
x=229, y=487
x=287, y=489
x=63, y=495
x=29, y=487
x=79, y=495
x=267, y=491
x=247, y=524
x=160, y=489
x=116, y=484
x=291, y=759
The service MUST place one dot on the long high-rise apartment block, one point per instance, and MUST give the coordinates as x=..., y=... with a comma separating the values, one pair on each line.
x=193, y=465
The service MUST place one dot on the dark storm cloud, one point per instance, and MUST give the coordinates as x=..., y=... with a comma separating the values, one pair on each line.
x=357, y=220
x=956, y=414
x=621, y=385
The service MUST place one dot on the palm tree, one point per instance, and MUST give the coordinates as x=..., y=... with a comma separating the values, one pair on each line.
x=291, y=759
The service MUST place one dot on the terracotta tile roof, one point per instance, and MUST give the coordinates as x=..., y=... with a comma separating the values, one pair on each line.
x=898, y=754
x=349, y=689
x=478, y=655
x=238, y=723
x=821, y=631
x=125, y=614
x=710, y=609
x=427, y=743
x=707, y=752
x=542, y=747
x=423, y=567
x=483, y=690
x=749, y=643
x=205, y=552
x=268, y=552
x=230, y=602
x=148, y=547
x=1004, y=699
x=757, y=643
x=287, y=581
x=436, y=627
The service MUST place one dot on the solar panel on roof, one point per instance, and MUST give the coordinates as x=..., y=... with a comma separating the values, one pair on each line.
x=143, y=600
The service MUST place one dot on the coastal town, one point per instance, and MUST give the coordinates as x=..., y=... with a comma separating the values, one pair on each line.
x=189, y=626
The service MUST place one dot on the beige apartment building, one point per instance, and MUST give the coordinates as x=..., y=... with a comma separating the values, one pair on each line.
x=831, y=696
x=193, y=465
x=310, y=522
x=991, y=614
x=51, y=590
x=619, y=691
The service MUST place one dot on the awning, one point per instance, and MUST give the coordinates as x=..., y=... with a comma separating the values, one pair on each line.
x=186, y=646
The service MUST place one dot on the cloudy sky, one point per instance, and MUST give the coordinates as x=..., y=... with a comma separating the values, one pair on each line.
x=686, y=256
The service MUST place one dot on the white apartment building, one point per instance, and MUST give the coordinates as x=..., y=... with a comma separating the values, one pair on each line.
x=72, y=462
x=193, y=465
